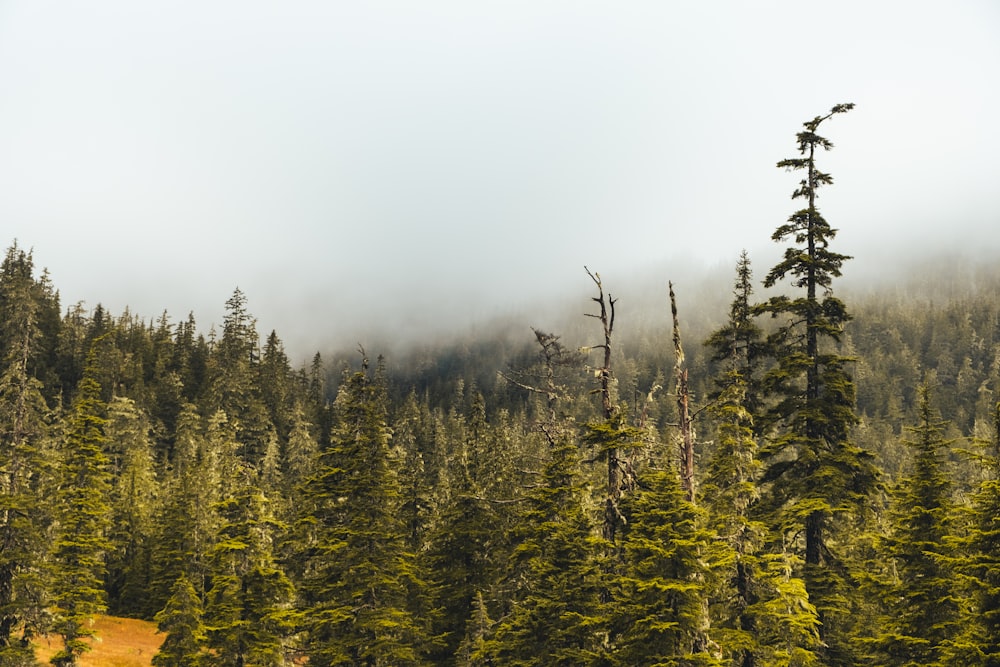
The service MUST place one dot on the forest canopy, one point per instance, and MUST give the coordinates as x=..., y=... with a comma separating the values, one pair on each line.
x=814, y=479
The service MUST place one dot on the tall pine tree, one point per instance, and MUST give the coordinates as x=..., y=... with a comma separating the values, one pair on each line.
x=24, y=514
x=359, y=576
x=81, y=543
x=816, y=475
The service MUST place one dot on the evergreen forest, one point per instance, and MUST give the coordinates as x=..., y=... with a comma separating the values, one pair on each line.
x=811, y=479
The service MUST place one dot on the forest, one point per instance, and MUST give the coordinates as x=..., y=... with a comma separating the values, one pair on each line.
x=809, y=480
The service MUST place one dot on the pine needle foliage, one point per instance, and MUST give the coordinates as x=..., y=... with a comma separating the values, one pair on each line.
x=557, y=613
x=760, y=606
x=661, y=596
x=25, y=515
x=814, y=474
x=359, y=575
x=81, y=544
x=181, y=620
x=922, y=607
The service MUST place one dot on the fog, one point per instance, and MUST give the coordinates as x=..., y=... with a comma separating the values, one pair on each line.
x=397, y=170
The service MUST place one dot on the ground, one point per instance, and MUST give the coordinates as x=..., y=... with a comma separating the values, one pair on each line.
x=120, y=642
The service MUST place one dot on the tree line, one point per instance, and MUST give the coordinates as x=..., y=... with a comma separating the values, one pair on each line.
x=804, y=488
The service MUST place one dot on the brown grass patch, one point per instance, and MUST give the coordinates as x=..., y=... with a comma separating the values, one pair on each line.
x=120, y=642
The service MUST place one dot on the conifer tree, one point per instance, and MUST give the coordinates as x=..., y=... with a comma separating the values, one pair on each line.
x=740, y=344
x=81, y=543
x=24, y=514
x=462, y=551
x=275, y=379
x=248, y=612
x=660, y=596
x=816, y=475
x=181, y=620
x=134, y=495
x=187, y=521
x=473, y=506
x=419, y=515
x=557, y=614
x=235, y=385
x=472, y=650
x=359, y=574
x=761, y=611
x=554, y=611
x=977, y=559
x=922, y=604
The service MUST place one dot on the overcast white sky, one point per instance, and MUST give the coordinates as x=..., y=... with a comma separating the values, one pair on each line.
x=426, y=160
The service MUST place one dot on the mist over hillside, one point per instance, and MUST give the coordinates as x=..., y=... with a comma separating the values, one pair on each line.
x=703, y=293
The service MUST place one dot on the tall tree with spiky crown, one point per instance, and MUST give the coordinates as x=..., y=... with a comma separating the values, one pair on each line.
x=83, y=519
x=761, y=614
x=740, y=344
x=235, y=385
x=816, y=474
x=358, y=572
x=23, y=513
x=922, y=606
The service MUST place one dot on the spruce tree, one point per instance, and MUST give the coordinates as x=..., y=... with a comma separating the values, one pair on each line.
x=739, y=345
x=557, y=613
x=977, y=560
x=187, y=522
x=472, y=650
x=760, y=609
x=815, y=474
x=181, y=620
x=922, y=604
x=134, y=495
x=81, y=542
x=235, y=386
x=248, y=613
x=554, y=606
x=359, y=576
x=661, y=594
x=24, y=514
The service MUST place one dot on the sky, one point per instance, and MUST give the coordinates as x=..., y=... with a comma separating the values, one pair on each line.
x=417, y=167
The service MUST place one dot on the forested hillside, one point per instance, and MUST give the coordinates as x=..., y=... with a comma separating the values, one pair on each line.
x=814, y=479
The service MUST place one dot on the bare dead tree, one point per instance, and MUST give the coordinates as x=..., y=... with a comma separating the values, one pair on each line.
x=621, y=475
x=684, y=417
x=554, y=355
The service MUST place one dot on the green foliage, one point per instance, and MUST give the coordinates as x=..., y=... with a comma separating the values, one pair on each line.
x=444, y=517
x=81, y=541
x=922, y=609
x=134, y=495
x=187, y=521
x=24, y=513
x=181, y=621
x=815, y=476
x=249, y=610
x=739, y=345
x=359, y=575
x=556, y=613
x=761, y=611
x=661, y=596
x=977, y=561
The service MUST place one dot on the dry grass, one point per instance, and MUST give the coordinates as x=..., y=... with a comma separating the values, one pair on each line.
x=120, y=642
